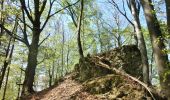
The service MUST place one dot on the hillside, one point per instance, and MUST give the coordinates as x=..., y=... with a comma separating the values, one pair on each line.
x=112, y=75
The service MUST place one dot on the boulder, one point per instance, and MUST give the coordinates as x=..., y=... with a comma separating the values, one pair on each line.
x=126, y=58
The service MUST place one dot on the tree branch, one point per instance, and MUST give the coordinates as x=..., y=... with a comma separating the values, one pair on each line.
x=72, y=14
x=43, y=6
x=151, y=91
x=23, y=5
x=44, y=39
x=50, y=15
x=123, y=13
x=13, y=35
x=25, y=23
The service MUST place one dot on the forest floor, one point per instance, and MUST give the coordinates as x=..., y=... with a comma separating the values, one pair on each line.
x=66, y=90
x=69, y=89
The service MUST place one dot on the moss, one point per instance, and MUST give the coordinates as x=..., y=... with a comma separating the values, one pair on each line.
x=102, y=84
x=87, y=69
x=127, y=58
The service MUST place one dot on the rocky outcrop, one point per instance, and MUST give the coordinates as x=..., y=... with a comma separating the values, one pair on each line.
x=125, y=58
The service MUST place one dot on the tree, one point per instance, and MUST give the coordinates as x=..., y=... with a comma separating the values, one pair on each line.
x=79, y=25
x=161, y=58
x=124, y=13
x=167, y=2
x=134, y=6
x=36, y=28
x=6, y=83
x=33, y=46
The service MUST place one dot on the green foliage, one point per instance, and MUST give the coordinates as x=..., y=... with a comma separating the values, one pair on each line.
x=99, y=34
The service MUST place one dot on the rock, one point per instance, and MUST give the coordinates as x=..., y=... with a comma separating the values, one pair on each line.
x=126, y=58
x=102, y=84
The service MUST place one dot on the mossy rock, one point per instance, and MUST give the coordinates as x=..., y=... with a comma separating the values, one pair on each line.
x=127, y=58
x=102, y=84
x=87, y=69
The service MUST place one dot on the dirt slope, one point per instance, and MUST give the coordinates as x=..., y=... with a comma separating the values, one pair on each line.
x=69, y=89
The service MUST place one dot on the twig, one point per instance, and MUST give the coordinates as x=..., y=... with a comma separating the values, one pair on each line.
x=44, y=39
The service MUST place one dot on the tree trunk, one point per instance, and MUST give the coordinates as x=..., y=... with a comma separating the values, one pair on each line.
x=161, y=58
x=32, y=63
x=50, y=77
x=79, y=31
x=2, y=18
x=53, y=69
x=7, y=61
x=68, y=52
x=19, y=88
x=33, y=51
x=99, y=35
x=168, y=13
x=168, y=17
x=4, y=94
x=62, y=52
x=141, y=41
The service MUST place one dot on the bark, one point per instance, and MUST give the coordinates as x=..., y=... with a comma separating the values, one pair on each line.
x=50, y=77
x=168, y=17
x=53, y=69
x=4, y=94
x=80, y=49
x=161, y=58
x=141, y=41
x=32, y=63
x=19, y=88
x=168, y=14
x=2, y=19
x=68, y=52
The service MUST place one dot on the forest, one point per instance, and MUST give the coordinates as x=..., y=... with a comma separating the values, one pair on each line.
x=84, y=49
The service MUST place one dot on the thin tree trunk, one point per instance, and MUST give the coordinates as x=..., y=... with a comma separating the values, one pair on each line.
x=141, y=41
x=19, y=89
x=53, y=69
x=7, y=61
x=151, y=67
x=68, y=52
x=2, y=19
x=117, y=20
x=161, y=58
x=50, y=77
x=79, y=31
x=99, y=35
x=62, y=51
x=8, y=54
x=4, y=94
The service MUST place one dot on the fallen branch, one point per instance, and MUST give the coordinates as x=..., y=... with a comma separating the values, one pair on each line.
x=150, y=90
